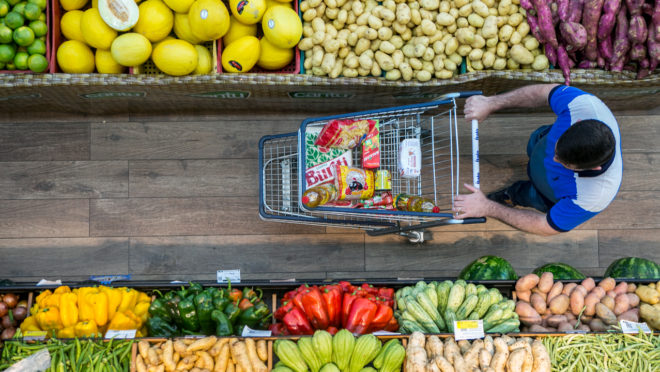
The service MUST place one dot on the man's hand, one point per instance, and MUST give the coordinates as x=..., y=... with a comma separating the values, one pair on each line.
x=472, y=205
x=478, y=107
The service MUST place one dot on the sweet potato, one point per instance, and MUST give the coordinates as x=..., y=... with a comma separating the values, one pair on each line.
x=635, y=6
x=606, y=51
x=653, y=46
x=587, y=64
x=590, y=304
x=555, y=320
x=588, y=284
x=538, y=303
x=545, y=282
x=545, y=22
x=565, y=327
x=559, y=305
x=575, y=10
x=597, y=325
x=527, y=282
x=608, y=19
x=607, y=284
x=605, y=314
x=556, y=288
x=534, y=28
x=568, y=288
x=583, y=327
x=621, y=304
x=656, y=20
x=526, y=4
x=631, y=315
x=563, y=9
x=621, y=42
x=590, y=17
x=637, y=31
x=524, y=295
x=524, y=309
x=638, y=52
x=621, y=288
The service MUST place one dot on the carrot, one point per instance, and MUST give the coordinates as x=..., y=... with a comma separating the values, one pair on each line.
x=574, y=34
x=608, y=19
x=590, y=17
x=545, y=22
x=621, y=42
x=564, y=64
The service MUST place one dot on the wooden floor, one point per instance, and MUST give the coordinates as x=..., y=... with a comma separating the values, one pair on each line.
x=176, y=197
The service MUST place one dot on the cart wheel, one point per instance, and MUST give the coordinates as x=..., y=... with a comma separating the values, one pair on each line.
x=416, y=237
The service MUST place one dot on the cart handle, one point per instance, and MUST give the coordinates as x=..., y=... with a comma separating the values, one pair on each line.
x=475, y=154
x=449, y=221
x=462, y=94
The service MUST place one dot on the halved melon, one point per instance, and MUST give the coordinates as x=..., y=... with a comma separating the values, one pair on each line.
x=120, y=15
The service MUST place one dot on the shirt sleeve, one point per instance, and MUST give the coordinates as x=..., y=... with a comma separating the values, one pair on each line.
x=565, y=215
x=561, y=96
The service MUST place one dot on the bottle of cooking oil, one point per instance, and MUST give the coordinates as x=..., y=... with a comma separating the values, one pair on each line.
x=414, y=203
x=319, y=195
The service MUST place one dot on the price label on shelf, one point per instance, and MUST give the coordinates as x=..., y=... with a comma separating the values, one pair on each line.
x=468, y=329
x=632, y=327
x=34, y=335
x=386, y=333
x=249, y=332
x=226, y=276
x=124, y=333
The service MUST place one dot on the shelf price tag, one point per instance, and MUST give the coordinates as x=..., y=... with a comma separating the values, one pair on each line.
x=225, y=276
x=249, y=332
x=386, y=333
x=126, y=333
x=468, y=329
x=632, y=327
x=34, y=335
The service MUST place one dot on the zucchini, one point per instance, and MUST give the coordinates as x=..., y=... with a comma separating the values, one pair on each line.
x=450, y=318
x=481, y=288
x=482, y=305
x=467, y=306
x=432, y=295
x=470, y=289
x=495, y=296
x=426, y=304
x=422, y=317
x=509, y=325
x=442, y=290
x=411, y=326
x=456, y=297
x=493, y=318
x=473, y=316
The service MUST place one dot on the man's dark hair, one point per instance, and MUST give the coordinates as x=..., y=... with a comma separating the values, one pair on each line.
x=586, y=144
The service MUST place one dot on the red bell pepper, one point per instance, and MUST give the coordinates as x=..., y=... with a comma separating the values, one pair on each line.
x=386, y=293
x=383, y=315
x=296, y=322
x=346, y=286
x=283, y=309
x=370, y=289
x=346, y=307
x=297, y=299
x=315, y=308
x=332, y=294
x=291, y=294
x=278, y=329
x=333, y=330
x=245, y=304
x=392, y=325
x=361, y=315
x=235, y=295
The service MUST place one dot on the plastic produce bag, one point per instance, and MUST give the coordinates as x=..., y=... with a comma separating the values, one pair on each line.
x=39, y=361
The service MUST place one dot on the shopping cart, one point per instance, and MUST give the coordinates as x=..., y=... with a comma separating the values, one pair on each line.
x=282, y=163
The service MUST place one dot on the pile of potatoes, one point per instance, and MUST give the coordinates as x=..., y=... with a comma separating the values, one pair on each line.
x=415, y=39
x=649, y=310
x=548, y=306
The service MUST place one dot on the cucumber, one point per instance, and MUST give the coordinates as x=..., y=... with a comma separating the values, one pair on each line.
x=456, y=297
x=495, y=296
x=466, y=308
x=473, y=316
x=481, y=288
x=412, y=326
x=450, y=318
x=460, y=282
x=482, y=305
x=509, y=325
x=493, y=318
x=442, y=290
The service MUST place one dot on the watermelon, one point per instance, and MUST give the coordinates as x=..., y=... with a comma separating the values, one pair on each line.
x=560, y=271
x=633, y=267
x=489, y=268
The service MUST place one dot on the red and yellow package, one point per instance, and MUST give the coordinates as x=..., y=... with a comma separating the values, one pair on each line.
x=354, y=183
x=344, y=134
x=371, y=148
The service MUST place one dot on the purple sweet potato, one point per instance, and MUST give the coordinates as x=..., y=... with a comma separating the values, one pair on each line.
x=533, y=23
x=637, y=31
x=554, y=10
x=564, y=64
x=653, y=47
x=621, y=42
x=637, y=52
x=635, y=6
x=563, y=9
x=527, y=5
x=656, y=19
x=590, y=17
x=608, y=19
x=574, y=35
x=545, y=23
x=643, y=70
x=551, y=53
x=605, y=48
x=575, y=10
x=587, y=64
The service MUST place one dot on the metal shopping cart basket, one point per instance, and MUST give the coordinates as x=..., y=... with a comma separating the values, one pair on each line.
x=283, y=163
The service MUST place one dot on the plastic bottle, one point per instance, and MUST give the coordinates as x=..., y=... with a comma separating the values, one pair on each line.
x=413, y=203
x=319, y=195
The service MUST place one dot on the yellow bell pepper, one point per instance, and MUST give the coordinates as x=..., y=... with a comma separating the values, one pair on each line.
x=30, y=324
x=69, y=309
x=136, y=319
x=49, y=318
x=67, y=332
x=86, y=329
x=42, y=296
x=122, y=321
x=142, y=332
x=114, y=300
x=128, y=299
x=99, y=302
x=52, y=300
x=143, y=297
x=142, y=311
x=62, y=289
x=85, y=309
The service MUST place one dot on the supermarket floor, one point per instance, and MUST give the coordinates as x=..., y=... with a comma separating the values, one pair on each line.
x=175, y=197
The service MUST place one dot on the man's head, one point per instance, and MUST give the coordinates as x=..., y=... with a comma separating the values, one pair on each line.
x=587, y=144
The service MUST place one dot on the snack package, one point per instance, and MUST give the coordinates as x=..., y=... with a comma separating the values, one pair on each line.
x=371, y=148
x=321, y=161
x=354, y=183
x=410, y=158
x=344, y=134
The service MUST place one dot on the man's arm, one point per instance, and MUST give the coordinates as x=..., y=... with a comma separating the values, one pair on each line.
x=477, y=205
x=479, y=107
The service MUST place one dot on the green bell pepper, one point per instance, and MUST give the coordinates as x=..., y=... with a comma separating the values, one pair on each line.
x=232, y=311
x=223, y=326
x=188, y=314
x=220, y=303
x=252, y=316
x=157, y=326
x=204, y=307
x=159, y=308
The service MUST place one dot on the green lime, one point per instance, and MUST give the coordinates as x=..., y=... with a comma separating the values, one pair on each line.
x=42, y=17
x=14, y=20
x=39, y=27
x=7, y=52
x=32, y=11
x=13, y=2
x=20, y=8
x=21, y=60
x=38, y=47
x=10, y=66
x=40, y=3
x=37, y=63
x=4, y=8
x=2, y=66
x=5, y=34
x=23, y=36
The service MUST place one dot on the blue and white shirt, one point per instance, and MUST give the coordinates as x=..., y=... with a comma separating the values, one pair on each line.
x=578, y=196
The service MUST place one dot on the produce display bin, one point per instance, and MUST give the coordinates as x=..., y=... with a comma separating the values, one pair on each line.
x=50, y=49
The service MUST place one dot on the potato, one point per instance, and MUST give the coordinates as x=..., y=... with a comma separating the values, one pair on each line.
x=607, y=284
x=598, y=292
x=559, y=305
x=343, y=52
x=505, y=33
x=488, y=59
x=419, y=50
x=451, y=46
x=464, y=50
x=515, y=38
x=516, y=360
x=415, y=17
x=565, y=327
x=621, y=288
x=633, y=299
x=631, y=315
x=516, y=20
x=415, y=63
x=500, y=63
x=406, y=71
x=538, y=303
x=502, y=49
x=608, y=301
x=449, y=64
x=651, y=315
x=309, y=15
x=555, y=320
x=480, y=8
x=361, y=46
x=479, y=42
x=605, y=314
x=555, y=291
x=393, y=75
x=568, y=288
x=445, y=19
x=576, y=302
x=621, y=304
x=590, y=302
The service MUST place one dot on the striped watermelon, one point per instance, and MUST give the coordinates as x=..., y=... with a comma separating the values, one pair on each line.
x=489, y=268
x=633, y=267
x=560, y=271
